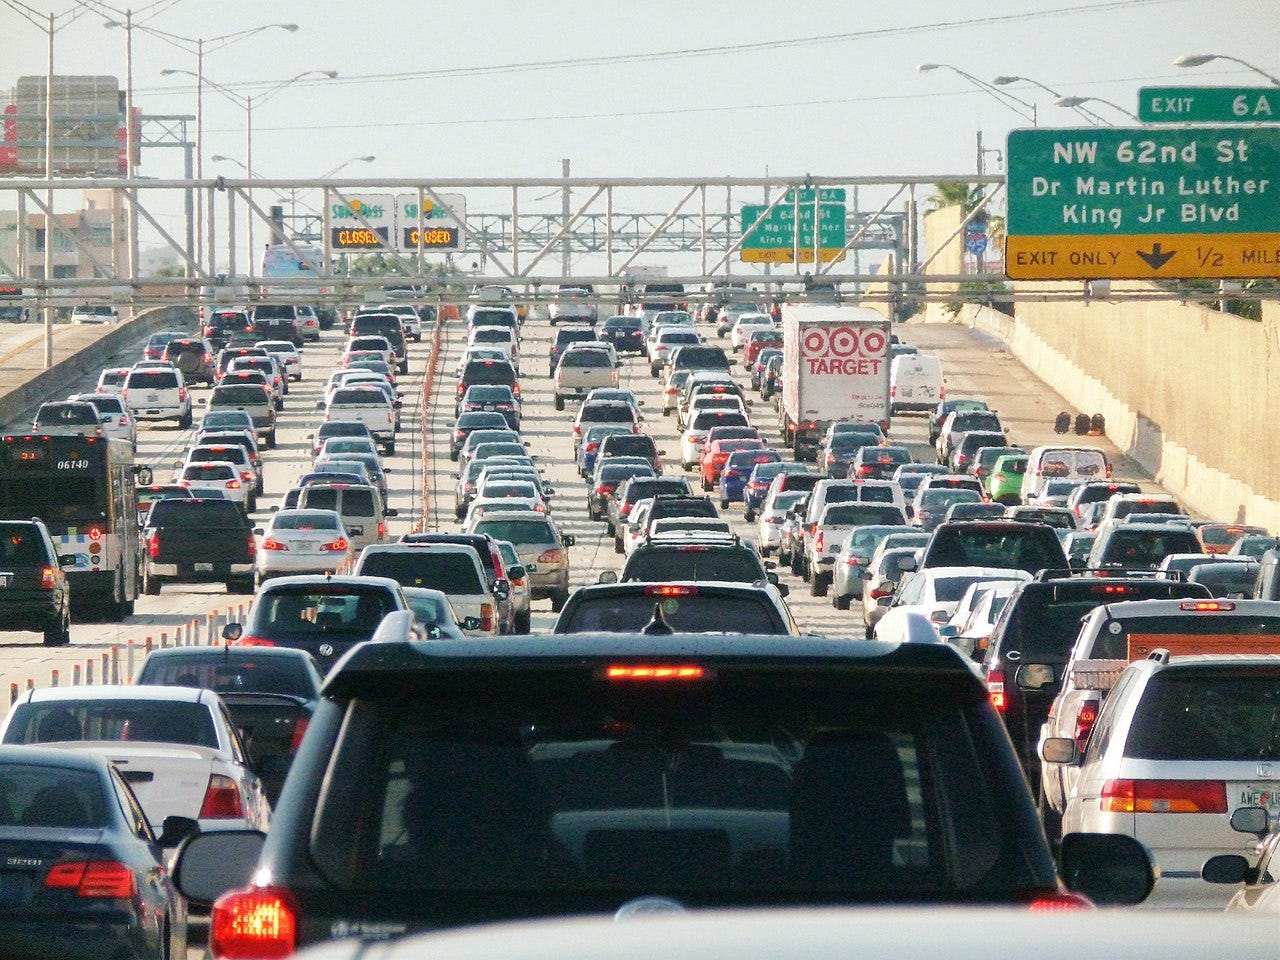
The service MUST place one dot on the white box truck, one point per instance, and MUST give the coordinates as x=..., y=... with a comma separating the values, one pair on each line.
x=835, y=366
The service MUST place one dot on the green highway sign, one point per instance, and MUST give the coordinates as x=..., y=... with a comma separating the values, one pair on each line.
x=1098, y=203
x=773, y=239
x=1209, y=105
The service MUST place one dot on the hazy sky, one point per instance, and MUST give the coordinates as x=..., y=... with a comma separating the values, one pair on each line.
x=844, y=98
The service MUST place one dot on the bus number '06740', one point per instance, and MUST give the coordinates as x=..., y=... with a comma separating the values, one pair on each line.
x=72, y=464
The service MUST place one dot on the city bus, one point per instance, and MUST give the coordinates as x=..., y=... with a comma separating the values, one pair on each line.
x=279, y=260
x=12, y=309
x=83, y=490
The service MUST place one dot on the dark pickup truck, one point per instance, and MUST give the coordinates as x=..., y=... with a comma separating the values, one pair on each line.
x=197, y=541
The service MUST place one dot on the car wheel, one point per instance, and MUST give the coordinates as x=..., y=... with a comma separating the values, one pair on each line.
x=453, y=455
x=271, y=439
x=404, y=368
x=818, y=585
x=391, y=448
x=258, y=581
x=724, y=504
x=748, y=515
x=706, y=485
x=617, y=545
x=796, y=567
x=558, y=600
x=1051, y=820
x=58, y=634
x=522, y=622
x=559, y=402
x=150, y=585
x=184, y=422
x=840, y=601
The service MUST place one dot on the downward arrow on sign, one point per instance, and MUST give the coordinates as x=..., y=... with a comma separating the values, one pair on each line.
x=1156, y=258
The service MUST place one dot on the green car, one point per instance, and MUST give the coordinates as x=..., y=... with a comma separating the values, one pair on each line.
x=1004, y=485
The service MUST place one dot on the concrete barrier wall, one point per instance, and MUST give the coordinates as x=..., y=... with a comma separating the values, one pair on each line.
x=1184, y=390
x=90, y=357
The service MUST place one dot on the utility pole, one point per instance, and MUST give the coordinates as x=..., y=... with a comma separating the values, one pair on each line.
x=565, y=265
x=48, y=206
x=130, y=144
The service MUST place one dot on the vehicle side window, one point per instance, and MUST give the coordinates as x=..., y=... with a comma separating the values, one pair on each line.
x=1102, y=733
x=911, y=590
x=133, y=814
x=237, y=748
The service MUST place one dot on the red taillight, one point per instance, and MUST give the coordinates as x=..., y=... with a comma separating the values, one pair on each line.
x=270, y=544
x=253, y=545
x=486, y=616
x=865, y=471
x=252, y=641
x=1206, y=606
x=153, y=546
x=246, y=476
x=664, y=672
x=995, y=690
x=878, y=592
x=222, y=799
x=46, y=578
x=670, y=590
x=554, y=555
x=1059, y=902
x=819, y=542
x=1085, y=720
x=259, y=922
x=337, y=546
x=382, y=529
x=299, y=730
x=105, y=879
x=1164, y=796
x=182, y=394
x=233, y=484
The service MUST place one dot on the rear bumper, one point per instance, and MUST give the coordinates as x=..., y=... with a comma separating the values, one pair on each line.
x=28, y=609
x=50, y=939
x=159, y=413
x=187, y=572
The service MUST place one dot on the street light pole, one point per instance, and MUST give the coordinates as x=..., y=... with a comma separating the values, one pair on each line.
x=48, y=206
x=1200, y=59
x=1078, y=101
x=248, y=172
x=130, y=144
x=200, y=153
x=1008, y=99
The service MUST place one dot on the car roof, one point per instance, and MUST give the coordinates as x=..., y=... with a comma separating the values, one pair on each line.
x=115, y=692
x=52, y=757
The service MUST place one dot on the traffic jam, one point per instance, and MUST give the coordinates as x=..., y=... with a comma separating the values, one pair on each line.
x=607, y=603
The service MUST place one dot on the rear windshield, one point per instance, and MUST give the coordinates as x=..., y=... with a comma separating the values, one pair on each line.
x=629, y=443
x=310, y=520
x=355, y=502
x=858, y=514
x=1115, y=646
x=487, y=392
x=210, y=454
x=35, y=796
x=76, y=414
x=610, y=413
x=229, y=672
x=21, y=543
x=340, y=611
x=586, y=358
x=196, y=514
x=357, y=398
x=1208, y=715
x=274, y=312
x=696, y=562
x=707, y=419
x=453, y=571
x=486, y=371
x=149, y=721
x=246, y=395
x=152, y=380
x=1146, y=548
x=780, y=790
x=517, y=531
x=658, y=486
x=1028, y=549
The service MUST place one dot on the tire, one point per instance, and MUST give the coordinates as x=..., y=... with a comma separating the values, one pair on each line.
x=59, y=633
x=749, y=515
x=404, y=368
x=617, y=545
x=521, y=624
x=558, y=600
x=724, y=504
x=818, y=584
x=653, y=371
x=150, y=585
x=706, y=487
x=1051, y=820
x=559, y=402
x=796, y=564
x=391, y=448
x=271, y=439
x=124, y=608
x=184, y=422
x=840, y=601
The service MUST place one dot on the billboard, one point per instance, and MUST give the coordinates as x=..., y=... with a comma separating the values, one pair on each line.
x=88, y=127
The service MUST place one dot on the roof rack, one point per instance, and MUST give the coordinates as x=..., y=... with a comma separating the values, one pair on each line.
x=1064, y=573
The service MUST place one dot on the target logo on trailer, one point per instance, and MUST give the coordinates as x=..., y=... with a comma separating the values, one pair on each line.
x=844, y=350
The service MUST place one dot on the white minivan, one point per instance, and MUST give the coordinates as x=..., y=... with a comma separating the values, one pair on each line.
x=1063, y=463
x=915, y=383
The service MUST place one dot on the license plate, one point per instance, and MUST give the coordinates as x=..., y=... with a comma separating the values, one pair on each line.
x=153, y=398
x=6, y=579
x=355, y=531
x=204, y=568
x=1260, y=793
x=488, y=406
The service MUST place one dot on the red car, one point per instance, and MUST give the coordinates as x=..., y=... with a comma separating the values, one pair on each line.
x=756, y=342
x=715, y=454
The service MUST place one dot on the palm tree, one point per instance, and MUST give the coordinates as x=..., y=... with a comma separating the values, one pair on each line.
x=954, y=193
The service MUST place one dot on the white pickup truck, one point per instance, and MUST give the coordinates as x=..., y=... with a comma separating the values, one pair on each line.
x=370, y=406
x=175, y=746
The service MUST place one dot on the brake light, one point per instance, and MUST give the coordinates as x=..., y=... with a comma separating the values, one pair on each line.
x=299, y=730
x=878, y=592
x=486, y=616
x=1059, y=902
x=995, y=690
x=153, y=546
x=46, y=578
x=554, y=555
x=249, y=640
x=382, y=528
x=337, y=546
x=233, y=484
x=258, y=922
x=1206, y=606
x=1164, y=796
x=665, y=672
x=269, y=544
x=246, y=476
x=819, y=541
x=221, y=799
x=1085, y=720
x=107, y=879
x=182, y=394
x=670, y=590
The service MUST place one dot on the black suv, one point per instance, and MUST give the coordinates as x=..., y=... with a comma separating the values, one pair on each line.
x=449, y=783
x=697, y=558
x=625, y=333
x=563, y=338
x=273, y=321
x=1037, y=629
x=387, y=325
x=34, y=593
x=1008, y=544
x=222, y=325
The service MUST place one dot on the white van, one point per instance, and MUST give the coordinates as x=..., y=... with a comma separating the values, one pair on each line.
x=915, y=383
x=1063, y=463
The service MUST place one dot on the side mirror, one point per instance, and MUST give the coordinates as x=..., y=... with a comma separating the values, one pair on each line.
x=1060, y=750
x=144, y=476
x=232, y=632
x=517, y=572
x=176, y=829
x=772, y=578
x=209, y=865
x=885, y=602
x=1228, y=868
x=784, y=590
x=259, y=531
x=397, y=404
x=201, y=401
x=905, y=564
x=1251, y=820
x=391, y=512
x=568, y=539
x=607, y=576
x=1108, y=868
x=948, y=631
x=501, y=588
x=1034, y=676
x=319, y=404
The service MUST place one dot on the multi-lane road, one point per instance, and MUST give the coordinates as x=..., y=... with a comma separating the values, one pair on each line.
x=974, y=365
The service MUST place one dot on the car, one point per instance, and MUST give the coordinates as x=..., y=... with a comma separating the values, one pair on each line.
x=1097, y=491
x=1233, y=580
x=946, y=407
x=94, y=313
x=270, y=694
x=934, y=593
x=1064, y=463
x=453, y=568
x=433, y=612
x=34, y=591
x=854, y=558
x=625, y=333
x=68, y=418
x=176, y=746
x=248, y=472
x=632, y=445
x=252, y=399
x=1182, y=746
x=498, y=372
x=969, y=629
x=1004, y=483
x=216, y=473
x=111, y=380
x=738, y=469
x=756, y=343
x=276, y=321
x=606, y=478
x=1253, y=546
x=224, y=323
x=716, y=453
x=518, y=582
x=542, y=549
x=1218, y=538
x=337, y=428
x=695, y=556
x=323, y=615
x=960, y=422
x=301, y=541
x=604, y=412
x=498, y=398
x=93, y=876
x=932, y=505
x=1060, y=518
x=994, y=543
x=194, y=357
x=116, y=420
x=287, y=355
x=1140, y=546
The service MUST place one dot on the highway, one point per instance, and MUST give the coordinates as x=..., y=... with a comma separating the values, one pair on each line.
x=974, y=364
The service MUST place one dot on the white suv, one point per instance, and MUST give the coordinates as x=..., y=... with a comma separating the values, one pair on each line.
x=1180, y=748
x=158, y=394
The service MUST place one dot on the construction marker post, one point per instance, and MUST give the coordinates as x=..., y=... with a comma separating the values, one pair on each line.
x=53, y=677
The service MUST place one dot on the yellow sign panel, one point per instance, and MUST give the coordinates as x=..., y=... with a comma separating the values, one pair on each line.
x=784, y=255
x=1143, y=256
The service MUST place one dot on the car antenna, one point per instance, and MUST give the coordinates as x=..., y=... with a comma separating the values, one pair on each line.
x=658, y=626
